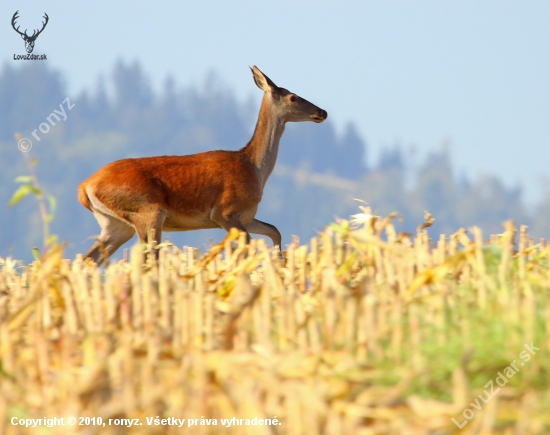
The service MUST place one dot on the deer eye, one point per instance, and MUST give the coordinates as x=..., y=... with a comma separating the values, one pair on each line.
x=293, y=98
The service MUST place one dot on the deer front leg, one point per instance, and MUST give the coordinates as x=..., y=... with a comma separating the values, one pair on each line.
x=228, y=222
x=265, y=229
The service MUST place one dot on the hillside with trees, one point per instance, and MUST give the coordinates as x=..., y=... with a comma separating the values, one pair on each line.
x=318, y=174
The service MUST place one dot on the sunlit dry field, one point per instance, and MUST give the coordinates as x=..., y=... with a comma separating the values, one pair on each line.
x=361, y=331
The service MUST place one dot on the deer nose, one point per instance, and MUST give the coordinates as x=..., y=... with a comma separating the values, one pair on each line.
x=320, y=116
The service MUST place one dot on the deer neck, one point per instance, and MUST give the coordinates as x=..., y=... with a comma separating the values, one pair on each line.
x=263, y=147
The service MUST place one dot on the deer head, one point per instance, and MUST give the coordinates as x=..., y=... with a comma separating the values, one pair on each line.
x=287, y=105
x=29, y=40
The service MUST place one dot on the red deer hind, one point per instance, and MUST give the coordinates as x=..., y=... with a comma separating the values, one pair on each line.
x=215, y=189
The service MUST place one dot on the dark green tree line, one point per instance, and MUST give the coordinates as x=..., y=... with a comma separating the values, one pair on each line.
x=122, y=116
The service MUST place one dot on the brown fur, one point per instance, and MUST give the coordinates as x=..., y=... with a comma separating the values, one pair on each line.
x=216, y=189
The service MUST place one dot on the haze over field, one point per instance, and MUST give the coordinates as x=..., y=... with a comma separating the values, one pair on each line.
x=318, y=173
x=453, y=97
x=472, y=73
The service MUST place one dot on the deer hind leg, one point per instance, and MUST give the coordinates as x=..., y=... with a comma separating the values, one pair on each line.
x=114, y=233
x=265, y=229
x=151, y=220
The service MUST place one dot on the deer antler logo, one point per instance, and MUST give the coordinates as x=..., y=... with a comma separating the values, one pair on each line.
x=29, y=40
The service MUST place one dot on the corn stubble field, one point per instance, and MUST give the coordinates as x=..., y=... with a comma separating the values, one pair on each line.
x=363, y=331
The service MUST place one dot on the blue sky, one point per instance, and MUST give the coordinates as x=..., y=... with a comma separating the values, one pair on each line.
x=475, y=74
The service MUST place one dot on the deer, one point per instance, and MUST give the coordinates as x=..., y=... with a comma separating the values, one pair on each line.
x=29, y=40
x=214, y=189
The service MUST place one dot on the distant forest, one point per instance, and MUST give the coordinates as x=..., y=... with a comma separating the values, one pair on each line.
x=318, y=173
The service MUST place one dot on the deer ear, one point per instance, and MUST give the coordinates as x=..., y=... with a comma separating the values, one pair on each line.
x=261, y=80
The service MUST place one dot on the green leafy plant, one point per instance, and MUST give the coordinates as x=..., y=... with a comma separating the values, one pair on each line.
x=29, y=185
